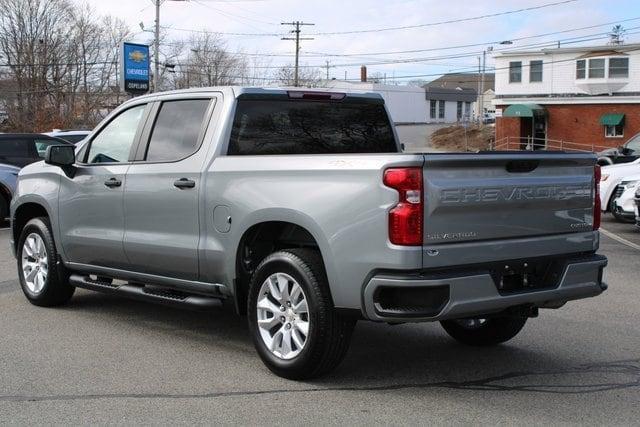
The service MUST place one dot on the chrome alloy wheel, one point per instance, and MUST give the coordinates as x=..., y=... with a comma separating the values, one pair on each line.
x=283, y=316
x=35, y=265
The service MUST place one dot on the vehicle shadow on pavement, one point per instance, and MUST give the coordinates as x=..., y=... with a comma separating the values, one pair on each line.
x=381, y=356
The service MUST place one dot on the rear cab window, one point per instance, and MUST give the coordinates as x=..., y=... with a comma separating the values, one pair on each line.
x=279, y=125
x=177, y=130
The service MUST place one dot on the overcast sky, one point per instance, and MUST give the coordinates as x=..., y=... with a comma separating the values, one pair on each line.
x=264, y=17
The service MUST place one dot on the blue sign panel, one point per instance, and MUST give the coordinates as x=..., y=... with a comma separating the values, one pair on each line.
x=135, y=67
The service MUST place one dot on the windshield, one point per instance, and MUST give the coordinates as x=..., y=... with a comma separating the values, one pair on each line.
x=633, y=144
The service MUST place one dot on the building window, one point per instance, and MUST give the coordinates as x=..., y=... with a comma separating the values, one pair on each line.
x=434, y=106
x=581, y=66
x=467, y=109
x=515, y=72
x=618, y=67
x=459, y=110
x=616, y=131
x=441, y=109
x=535, y=71
x=596, y=68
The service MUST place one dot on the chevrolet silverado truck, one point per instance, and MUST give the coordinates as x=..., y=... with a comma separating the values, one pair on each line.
x=299, y=209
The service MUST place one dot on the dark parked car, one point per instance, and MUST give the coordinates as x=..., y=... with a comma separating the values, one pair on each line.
x=21, y=149
x=626, y=153
x=8, y=177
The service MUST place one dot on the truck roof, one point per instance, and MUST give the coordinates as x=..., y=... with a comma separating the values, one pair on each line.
x=236, y=91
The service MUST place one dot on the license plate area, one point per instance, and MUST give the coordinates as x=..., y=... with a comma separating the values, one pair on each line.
x=527, y=275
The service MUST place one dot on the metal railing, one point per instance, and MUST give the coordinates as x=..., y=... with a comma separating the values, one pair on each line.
x=513, y=143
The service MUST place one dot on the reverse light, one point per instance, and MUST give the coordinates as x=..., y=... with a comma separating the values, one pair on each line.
x=406, y=217
x=597, y=213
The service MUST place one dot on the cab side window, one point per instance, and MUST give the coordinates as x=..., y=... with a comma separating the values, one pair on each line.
x=113, y=143
x=176, y=132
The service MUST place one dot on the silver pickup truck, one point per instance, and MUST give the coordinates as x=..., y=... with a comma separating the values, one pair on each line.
x=300, y=209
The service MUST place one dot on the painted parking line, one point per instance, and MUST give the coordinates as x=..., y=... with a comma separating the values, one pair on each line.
x=620, y=239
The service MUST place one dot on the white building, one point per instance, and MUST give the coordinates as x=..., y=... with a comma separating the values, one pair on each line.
x=585, y=95
x=417, y=105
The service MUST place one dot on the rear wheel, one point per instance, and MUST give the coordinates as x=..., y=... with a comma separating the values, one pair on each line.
x=295, y=328
x=484, y=331
x=43, y=281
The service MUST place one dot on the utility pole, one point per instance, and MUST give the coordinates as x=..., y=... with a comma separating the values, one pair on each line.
x=478, y=99
x=327, y=69
x=297, y=39
x=156, y=42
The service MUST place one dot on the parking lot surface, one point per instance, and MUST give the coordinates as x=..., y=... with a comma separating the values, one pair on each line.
x=101, y=359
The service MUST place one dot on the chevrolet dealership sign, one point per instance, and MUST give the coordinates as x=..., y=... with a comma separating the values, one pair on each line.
x=134, y=71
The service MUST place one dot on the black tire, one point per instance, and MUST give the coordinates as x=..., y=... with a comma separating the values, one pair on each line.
x=619, y=217
x=329, y=333
x=56, y=289
x=4, y=208
x=491, y=330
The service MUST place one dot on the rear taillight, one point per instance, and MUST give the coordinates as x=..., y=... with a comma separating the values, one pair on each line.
x=597, y=208
x=406, y=217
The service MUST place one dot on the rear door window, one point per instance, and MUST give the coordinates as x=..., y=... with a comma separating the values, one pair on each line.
x=176, y=132
x=273, y=126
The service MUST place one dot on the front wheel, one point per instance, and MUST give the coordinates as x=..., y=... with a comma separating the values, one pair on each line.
x=43, y=281
x=484, y=331
x=295, y=328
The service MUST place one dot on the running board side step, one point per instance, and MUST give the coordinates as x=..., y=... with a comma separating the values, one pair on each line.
x=148, y=293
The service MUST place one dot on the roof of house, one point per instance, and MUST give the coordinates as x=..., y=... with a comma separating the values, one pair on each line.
x=451, y=94
x=603, y=50
x=463, y=81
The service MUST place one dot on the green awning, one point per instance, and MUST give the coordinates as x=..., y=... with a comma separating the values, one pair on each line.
x=612, y=119
x=524, y=110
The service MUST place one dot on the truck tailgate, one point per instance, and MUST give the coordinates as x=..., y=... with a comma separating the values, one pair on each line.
x=491, y=196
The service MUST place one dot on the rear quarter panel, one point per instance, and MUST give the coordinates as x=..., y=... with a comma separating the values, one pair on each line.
x=339, y=199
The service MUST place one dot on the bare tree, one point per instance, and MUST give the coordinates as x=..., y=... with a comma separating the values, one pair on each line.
x=34, y=42
x=208, y=63
x=307, y=76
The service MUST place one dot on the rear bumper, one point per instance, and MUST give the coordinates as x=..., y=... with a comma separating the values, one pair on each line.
x=451, y=296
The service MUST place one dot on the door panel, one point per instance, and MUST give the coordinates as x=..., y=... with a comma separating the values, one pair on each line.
x=162, y=225
x=91, y=211
x=161, y=199
x=92, y=215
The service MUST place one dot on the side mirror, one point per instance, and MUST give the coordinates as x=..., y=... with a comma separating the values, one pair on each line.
x=60, y=155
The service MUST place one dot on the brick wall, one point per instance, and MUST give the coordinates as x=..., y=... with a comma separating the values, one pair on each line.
x=579, y=124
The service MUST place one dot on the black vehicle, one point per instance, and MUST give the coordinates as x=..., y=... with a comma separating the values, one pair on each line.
x=626, y=153
x=21, y=149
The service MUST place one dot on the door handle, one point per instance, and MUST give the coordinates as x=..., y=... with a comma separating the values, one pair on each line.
x=184, y=183
x=113, y=182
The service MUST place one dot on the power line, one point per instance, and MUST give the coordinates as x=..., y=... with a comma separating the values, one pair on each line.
x=449, y=21
x=406, y=27
x=478, y=44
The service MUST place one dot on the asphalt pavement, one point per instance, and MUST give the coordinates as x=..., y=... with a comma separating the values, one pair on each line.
x=102, y=359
